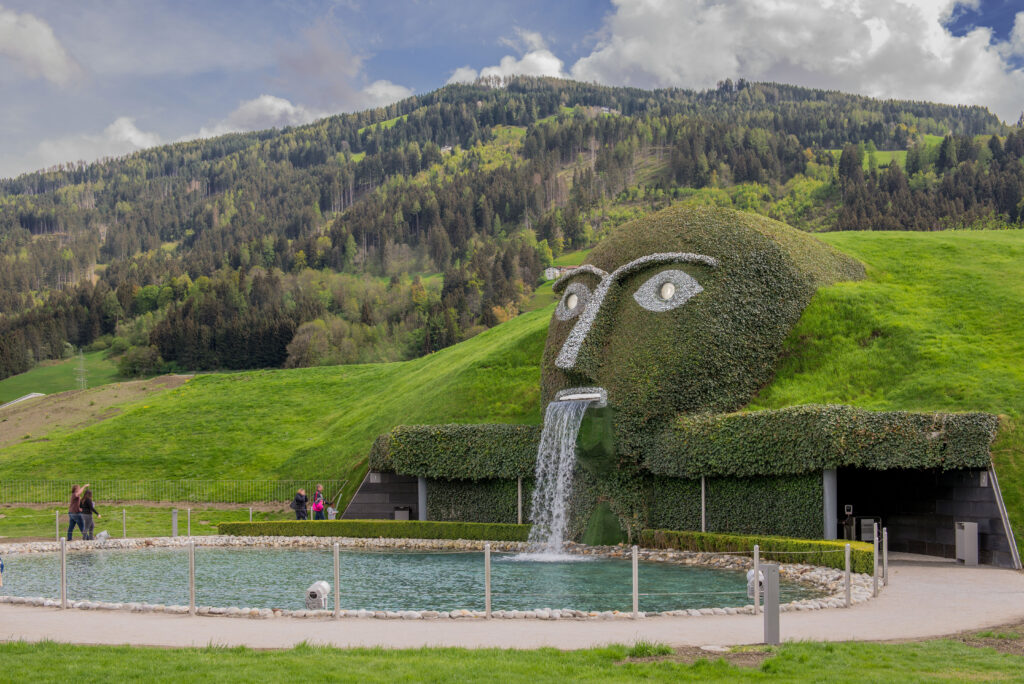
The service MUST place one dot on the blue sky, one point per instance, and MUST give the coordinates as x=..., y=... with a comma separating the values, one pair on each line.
x=91, y=78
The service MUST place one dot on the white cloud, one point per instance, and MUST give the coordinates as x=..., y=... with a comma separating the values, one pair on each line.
x=120, y=137
x=383, y=92
x=883, y=48
x=535, y=60
x=1017, y=36
x=265, y=111
x=29, y=41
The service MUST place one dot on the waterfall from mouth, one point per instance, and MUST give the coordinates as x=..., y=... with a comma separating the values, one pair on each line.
x=556, y=458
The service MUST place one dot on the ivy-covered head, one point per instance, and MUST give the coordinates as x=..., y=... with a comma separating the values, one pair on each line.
x=684, y=311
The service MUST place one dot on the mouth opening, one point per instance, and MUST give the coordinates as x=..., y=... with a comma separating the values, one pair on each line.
x=598, y=395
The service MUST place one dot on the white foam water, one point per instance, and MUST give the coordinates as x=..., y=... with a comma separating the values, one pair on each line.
x=556, y=458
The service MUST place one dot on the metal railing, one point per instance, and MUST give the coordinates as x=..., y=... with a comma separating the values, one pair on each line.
x=220, y=491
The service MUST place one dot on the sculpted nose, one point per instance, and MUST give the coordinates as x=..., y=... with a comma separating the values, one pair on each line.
x=569, y=355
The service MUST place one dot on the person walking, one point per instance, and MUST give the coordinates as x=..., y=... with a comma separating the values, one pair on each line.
x=318, y=503
x=75, y=510
x=88, y=510
x=299, y=505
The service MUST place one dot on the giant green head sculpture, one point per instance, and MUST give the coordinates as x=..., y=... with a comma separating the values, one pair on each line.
x=682, y=312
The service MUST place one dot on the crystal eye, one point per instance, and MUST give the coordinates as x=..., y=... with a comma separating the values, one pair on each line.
x=573, y=301
x=667, y=290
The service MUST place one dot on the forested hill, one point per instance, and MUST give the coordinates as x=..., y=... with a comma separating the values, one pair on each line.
x=391, y=233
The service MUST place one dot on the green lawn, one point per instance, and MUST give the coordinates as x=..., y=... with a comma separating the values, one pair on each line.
x=140, y=521
x=840, y=662
x=278, y=424
x=58, y=376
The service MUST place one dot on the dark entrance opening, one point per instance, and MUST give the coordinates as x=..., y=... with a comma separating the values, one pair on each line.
x=920, y=508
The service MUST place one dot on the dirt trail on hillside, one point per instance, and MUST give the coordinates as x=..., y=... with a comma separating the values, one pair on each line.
x=36, y=418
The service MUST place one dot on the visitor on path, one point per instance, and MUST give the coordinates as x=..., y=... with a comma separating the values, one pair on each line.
x=75, y=510
x=299, y=505
x=88, y=510
x=318, y=503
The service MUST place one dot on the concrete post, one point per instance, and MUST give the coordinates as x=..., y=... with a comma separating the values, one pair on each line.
x=191, y=578
x=124, y=523
x=250, y=513
x=519, y=500
x=829, y=490
x=421, y=497
x=846, y=574
x=487, y=580
x=703, y=507
x=63, y=574
x=636, y=583
x=757, y=581
x=771, y=603
x=337, y=581
x=188, y=523
x=174, y=522
x=56, y=525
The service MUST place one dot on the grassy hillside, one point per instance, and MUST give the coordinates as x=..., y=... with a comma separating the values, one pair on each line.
x=317, y=422
x=58, y=376
x=936, y=326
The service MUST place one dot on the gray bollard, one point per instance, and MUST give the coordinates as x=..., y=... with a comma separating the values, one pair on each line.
x=174, y=522
x=757, y=581
x=63, y=574
x=191, y=578
x=337, y=581
x=885, y=556
x=846, y=575
x=487, y=580
x=874, y=560
x=771, y=603
x=636, y=584
x=250, y=513
x=124, y=524
x=56, y=525
x=188, y=523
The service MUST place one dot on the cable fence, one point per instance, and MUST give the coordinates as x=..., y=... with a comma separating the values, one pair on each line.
x=199, y=491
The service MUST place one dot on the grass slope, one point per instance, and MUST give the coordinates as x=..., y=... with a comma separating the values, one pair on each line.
x=59, y=376
x=839, y=662
x=317, y=422
x=936, y=326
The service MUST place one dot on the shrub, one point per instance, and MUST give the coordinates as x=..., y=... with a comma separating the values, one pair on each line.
x=140, y=361
x=458, y=452
x=811, y=551
x=391, y=529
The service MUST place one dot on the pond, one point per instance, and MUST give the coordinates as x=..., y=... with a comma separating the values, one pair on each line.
x=392, y=580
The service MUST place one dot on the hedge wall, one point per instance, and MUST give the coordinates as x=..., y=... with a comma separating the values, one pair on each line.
x=811, y=438
x=824, y=553
x=790, y=506
x=400, y=529
x=458, y=452
x=492, y=501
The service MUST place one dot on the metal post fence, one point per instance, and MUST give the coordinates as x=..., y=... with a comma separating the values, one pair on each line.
x=757, y=579
x=846, y=574
x=636, y=584
x=874, y=560
x=219, y=491
x=124, y=523
x=771, y=603
x=56, y=525
x=192, y=578
x=885, y=556
x=337, y=581
x=487, y=580
x=64, y=574
x=188, y=523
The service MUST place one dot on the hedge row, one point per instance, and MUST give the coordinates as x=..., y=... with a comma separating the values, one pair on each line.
x=391, y=529
x=814, y=552
x=458, y=452
x=480, y=501
x=811, y=438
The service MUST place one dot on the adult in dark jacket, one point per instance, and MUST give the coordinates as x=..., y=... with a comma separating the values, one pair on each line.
x=299, y=505
x=88, y=510
x=75, y=510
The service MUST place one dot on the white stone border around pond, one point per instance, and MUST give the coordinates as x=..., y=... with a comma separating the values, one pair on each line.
x=822, y=578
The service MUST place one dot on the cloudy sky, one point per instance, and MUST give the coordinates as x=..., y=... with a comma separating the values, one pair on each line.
x=85, y=79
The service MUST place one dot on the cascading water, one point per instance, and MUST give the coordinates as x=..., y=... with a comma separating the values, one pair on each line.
x=556, y=458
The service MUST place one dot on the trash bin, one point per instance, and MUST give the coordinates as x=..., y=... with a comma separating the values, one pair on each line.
x=402, y=512
x=316, y=595
x=967, y=543
x=866, y=523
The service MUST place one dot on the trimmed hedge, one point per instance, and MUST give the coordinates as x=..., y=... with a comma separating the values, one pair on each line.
x=458, y=452
x=790, y=506
x=811, y=438
x=391, y=529
x=491, y=501
x=821, y=552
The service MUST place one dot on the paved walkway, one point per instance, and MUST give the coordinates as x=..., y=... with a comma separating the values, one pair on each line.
x=922, y=600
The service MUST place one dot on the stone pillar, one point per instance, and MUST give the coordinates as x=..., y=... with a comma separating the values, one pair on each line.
x=421, y=497
x=830, y=495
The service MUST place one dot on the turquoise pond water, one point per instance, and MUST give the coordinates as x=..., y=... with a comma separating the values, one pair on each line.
x=278, y=578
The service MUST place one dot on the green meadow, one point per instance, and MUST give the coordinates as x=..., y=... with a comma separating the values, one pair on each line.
x=58, y=376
